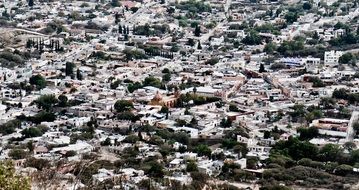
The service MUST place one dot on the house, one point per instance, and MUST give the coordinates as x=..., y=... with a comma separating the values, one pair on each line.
x=332, y=57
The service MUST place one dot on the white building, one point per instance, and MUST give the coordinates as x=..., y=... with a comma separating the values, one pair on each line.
x=332, y=57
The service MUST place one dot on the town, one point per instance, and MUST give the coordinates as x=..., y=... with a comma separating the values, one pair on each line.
x=179, y=94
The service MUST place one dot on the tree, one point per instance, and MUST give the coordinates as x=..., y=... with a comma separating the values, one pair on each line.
x=69, y=69
x=344, y=170
x=261, y=68
x=115, y=3
x=63, y=100
x=164, y=109
x=199, y=45
x=270, y=47
x=152, y=81
x=123, y=105
x=166, y=70
x=9, y=180
x=39, y=164
x=330, y=152
x=346, y=58
x=79, y=75
x=203, y=150
x=38, y=81
x=307, y=6
x=252, y=38
x=192, y=166
x=131, y=139
x=308, y=133
x=233, y=108
x=120, y=29
x=46, y=102
x=291, y=17
x=31, y=132
x=106, y=142
x=166, y=77
x=17, y=154
x=115, y=84
x=197, y=31
x=31, y=3
x=156, y=170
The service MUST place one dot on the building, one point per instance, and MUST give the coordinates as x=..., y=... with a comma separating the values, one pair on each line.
x=332, y=57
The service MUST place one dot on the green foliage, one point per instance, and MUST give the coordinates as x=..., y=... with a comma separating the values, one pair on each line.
x=307, y=6
x=296, y=149
x=17, y=154
x=270, y=47
x=9, y=180
x=226, y=123
x=131, y=139
x=154, y=30
x=11, y=60
x=39, y=164
x=63, y=100
x=164, y=109
x=127, y=115
x=261, y=68
x=197, y=31
x=123, y=105
x=152, y=81
x=194, y=6
x=344, y=170
x=308, y=133
x=69, y=69
x=156, y=170
x=252, y=38
x=133, y=54
x=346, y=39
x=317, y=82
x=115, y=84
x=100, y=55
x=346, y=58
x=212, y=61
x=115, y=3
x=9, y=127
x=291, y=17
x=291, y=48
x=203, y=150
x=31, y=132
x=46, y=102
x=191, y=166
x=166, y=70
x=38, y=81
x=106, y=142
x=42, y=116
x=352, y=98
x=268, y=28
x=133, y=86
x=166, y=77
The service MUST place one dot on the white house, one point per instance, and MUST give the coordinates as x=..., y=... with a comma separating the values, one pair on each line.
x=332, y=57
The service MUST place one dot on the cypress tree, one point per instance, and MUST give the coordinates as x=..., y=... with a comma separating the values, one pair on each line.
x=120, y=29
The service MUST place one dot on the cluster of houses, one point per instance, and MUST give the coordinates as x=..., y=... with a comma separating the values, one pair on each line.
x=206, y=82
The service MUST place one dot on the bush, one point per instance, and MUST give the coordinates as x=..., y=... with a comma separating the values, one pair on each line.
x=39, y=164
x=46, y=102
x=38, y=81
x=123, y=105
x=9, y=127
x=17, y=154
x=31, y=132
